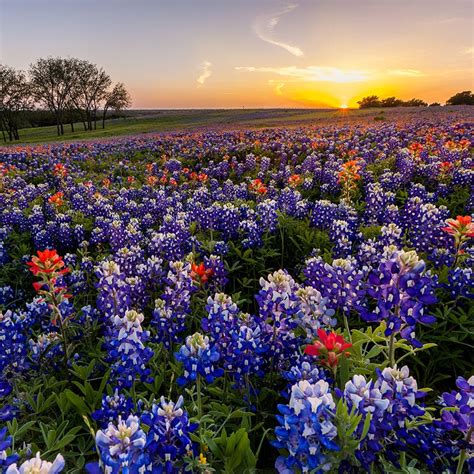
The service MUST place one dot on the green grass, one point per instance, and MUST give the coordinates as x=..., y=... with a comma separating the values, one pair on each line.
x=155, y=121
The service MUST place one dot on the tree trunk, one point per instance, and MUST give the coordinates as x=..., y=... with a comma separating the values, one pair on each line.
x=3, y=131
x=103, y=117
x=72, y=126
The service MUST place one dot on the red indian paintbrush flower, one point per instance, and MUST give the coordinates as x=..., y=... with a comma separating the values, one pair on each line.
x=57, y=199
x=47, y=261
x=295, y=180
x=60, y=170
x=201, y=273
x=257, y=186
x=459, y=227
x=330, y=347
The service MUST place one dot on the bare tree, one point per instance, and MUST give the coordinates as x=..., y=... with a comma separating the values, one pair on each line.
x=117, y=99
x=14, y=99
x=90, y=88
x=52, y=80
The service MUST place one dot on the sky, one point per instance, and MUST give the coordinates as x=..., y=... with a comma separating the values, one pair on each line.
x=253, y=53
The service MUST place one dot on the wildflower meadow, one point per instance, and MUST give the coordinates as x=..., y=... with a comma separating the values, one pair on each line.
x=292, y=300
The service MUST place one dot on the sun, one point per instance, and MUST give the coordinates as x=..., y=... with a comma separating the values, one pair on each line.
x=343, y=106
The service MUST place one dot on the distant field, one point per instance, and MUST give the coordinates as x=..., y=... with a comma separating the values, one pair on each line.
x=156, y=121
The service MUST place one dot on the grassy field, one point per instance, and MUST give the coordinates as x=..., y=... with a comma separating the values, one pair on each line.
x=156, y=121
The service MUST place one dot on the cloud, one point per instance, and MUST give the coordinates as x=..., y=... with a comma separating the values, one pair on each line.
x=405, y=72
x=277, y=86
x=468, y=51
x=205, y=73
x=313, y=73
x=264, y=28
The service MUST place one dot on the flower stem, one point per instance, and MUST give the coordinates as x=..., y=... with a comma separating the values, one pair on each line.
x=462, y=455
x=199, y=399
x=346, y=325
x=391, y=349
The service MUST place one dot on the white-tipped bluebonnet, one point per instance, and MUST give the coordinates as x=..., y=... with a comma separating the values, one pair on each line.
x=306, y=431
x=121, y=448
x=199, y=358
x=168, y=435
x=127, y=352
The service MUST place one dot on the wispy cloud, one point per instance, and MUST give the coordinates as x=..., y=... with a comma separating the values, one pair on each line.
x=264, y=28
x=205, y=73
x=277, y=86
x=313, y=73
x=405, y=72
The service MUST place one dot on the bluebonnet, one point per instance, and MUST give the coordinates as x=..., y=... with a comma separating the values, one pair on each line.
x=168, y=435
x=174, y=307
x=304, y=368
x=460, y=282
x=313, y=311
x=278, y=305
x=306, y=431
x=7, y=457
x=400, y=289
x=121, y=448
x=199, y=358
x=127, y=353
x=245, y=356
x=113, y=406
x=458, y=412
x=114, y=293
x=341, y=282
x=38, y=465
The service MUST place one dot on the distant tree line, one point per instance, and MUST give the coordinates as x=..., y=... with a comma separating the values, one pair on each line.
x=57, y=91
x=462, y=98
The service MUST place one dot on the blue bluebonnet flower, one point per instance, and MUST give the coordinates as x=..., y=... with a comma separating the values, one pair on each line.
x=401, y=289
x=460, y=282
x=278, y=305
x=391, y=402
x=458, y=413
x=7, y=457
x=342, y=283
x=313, y=311
x=114, y=293
x=199, y=358
x=221, y=318
x=173, y=308
x=13, y=353
x=121, y=448
x=304, y=368
x=127, y=353
x=245, y=355
x=37, y=465
x=377, y=200
x=112, y=407
x=306, y=429
x=6, y=295
x=168, y=436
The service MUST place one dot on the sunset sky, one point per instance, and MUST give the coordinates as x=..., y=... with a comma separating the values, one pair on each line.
x=253, y=53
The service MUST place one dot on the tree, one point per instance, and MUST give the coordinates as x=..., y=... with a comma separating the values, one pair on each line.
x=117, y=99
x=89, y=90
x=369, y=101
x=415, y=103
x=52, y=80
x=391, y=102
x=461, y=98
x=14, y=99
x=435, y=104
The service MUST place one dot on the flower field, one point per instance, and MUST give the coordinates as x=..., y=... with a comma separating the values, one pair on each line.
x=289, y=299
